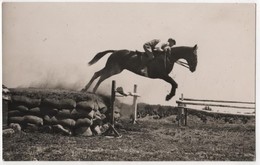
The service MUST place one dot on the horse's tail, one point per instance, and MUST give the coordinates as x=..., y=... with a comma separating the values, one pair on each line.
x=99, y=56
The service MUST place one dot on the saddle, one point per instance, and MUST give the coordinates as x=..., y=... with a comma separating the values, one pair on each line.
x=157, y=54
x=145, y=60
x=144, y=57
x=139, y=53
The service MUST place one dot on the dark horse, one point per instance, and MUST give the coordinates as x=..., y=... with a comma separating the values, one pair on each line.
x=134, y=61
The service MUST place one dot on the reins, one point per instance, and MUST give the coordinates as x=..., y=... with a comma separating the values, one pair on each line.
x=182, y=64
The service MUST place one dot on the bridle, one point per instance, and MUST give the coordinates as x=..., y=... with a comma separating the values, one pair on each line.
x=184, y=64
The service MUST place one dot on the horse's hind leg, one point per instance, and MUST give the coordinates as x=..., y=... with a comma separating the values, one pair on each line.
x=106, y=74
x=96, y=75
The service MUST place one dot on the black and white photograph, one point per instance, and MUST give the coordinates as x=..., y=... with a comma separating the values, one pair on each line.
x=129, y=81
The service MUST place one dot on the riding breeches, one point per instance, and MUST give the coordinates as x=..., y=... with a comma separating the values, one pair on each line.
x=148, y=51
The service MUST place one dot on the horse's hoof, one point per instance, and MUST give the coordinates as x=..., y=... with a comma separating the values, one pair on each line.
x=168, y=97
x=83, y=90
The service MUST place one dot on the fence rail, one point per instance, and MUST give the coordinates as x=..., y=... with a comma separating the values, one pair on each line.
x=220, y=113
x=214, y=105
x=218, y=101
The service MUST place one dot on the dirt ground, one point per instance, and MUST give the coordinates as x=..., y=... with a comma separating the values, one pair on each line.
x=149, y=140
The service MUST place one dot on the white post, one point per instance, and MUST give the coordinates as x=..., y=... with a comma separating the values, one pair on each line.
x=135, y=104
x=182, y=111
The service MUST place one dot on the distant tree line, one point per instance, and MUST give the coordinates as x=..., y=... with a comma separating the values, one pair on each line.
x=155, y=110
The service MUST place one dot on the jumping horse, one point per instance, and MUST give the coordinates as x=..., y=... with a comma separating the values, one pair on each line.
x=135, y=61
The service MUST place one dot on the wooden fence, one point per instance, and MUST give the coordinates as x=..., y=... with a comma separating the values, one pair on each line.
x=114, y=93
x=183, y=109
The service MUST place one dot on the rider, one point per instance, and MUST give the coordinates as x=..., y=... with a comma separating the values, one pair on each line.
x=151, y=45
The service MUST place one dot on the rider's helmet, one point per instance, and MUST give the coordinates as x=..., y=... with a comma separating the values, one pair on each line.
x=172, y=41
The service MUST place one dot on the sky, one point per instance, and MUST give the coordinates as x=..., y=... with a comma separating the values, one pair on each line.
x=50, y=44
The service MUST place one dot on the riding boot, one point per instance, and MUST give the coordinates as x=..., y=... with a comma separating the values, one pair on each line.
x=164, y=60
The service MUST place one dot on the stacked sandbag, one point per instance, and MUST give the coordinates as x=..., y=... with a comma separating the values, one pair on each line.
x=70, y=117
x=24, y=111
x=87, y=117
x=64, y=116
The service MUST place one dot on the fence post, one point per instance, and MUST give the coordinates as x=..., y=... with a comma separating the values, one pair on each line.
x=5, y=113
x=111, y=130
x=185, y=116
x=178, y=115
x=135, y=104
x=182, y=111
x=112, y=102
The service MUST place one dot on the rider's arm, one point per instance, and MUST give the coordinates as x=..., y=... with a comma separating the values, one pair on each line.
x=164, y=45
x=154, y=42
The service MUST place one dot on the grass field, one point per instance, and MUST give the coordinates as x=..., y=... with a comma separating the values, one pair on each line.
x=150, y=139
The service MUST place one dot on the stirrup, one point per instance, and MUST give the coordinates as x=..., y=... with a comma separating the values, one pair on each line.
x=144, y=72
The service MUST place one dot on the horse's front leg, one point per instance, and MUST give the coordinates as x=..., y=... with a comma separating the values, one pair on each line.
x=174, y=86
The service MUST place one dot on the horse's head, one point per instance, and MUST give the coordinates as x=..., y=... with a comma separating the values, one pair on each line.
x=187, y=53
x=192, y=59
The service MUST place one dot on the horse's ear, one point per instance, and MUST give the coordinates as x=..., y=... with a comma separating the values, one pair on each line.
x=195, y=47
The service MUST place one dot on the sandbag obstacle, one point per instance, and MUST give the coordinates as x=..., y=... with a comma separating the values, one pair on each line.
x=70, y=116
